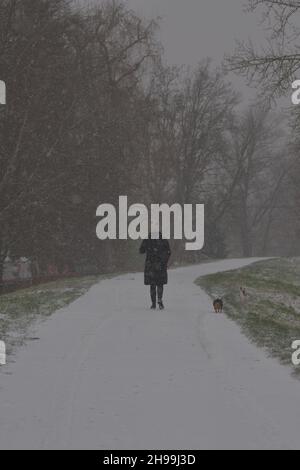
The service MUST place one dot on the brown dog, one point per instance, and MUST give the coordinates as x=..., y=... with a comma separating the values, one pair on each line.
x=218, y=305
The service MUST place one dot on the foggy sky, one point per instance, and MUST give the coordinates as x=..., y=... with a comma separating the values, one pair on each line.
x=194, y=29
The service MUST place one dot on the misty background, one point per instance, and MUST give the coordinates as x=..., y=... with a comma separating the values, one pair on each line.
x=194, y=29
x=162, y=101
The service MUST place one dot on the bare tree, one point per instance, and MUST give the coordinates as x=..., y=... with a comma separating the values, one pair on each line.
x=258, y=176
x=204, y=106
x=274, y=65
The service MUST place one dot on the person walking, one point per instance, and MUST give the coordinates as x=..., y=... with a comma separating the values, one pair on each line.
x=158, y=253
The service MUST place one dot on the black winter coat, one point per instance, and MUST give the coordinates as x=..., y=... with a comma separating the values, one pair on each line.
x=158, y=254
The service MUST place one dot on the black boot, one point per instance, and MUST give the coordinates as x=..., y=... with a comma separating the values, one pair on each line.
x=160, y=293
x=153, y=297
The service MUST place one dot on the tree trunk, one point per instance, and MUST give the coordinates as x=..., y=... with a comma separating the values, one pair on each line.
x=246, y=239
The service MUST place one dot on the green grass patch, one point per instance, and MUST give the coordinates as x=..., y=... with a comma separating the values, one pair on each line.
x=20, y=310
x=271, y=315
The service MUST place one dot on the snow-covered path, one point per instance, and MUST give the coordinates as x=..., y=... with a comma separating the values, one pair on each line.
x=110, y=374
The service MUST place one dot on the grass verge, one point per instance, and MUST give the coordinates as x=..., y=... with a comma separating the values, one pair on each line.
x=20, y=310
x=271, y=315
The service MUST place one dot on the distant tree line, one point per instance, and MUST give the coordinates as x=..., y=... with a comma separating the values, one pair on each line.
x=93, y=112
x=272, y=69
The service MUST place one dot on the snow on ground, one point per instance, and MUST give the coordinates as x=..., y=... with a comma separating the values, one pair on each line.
x=107, y=373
